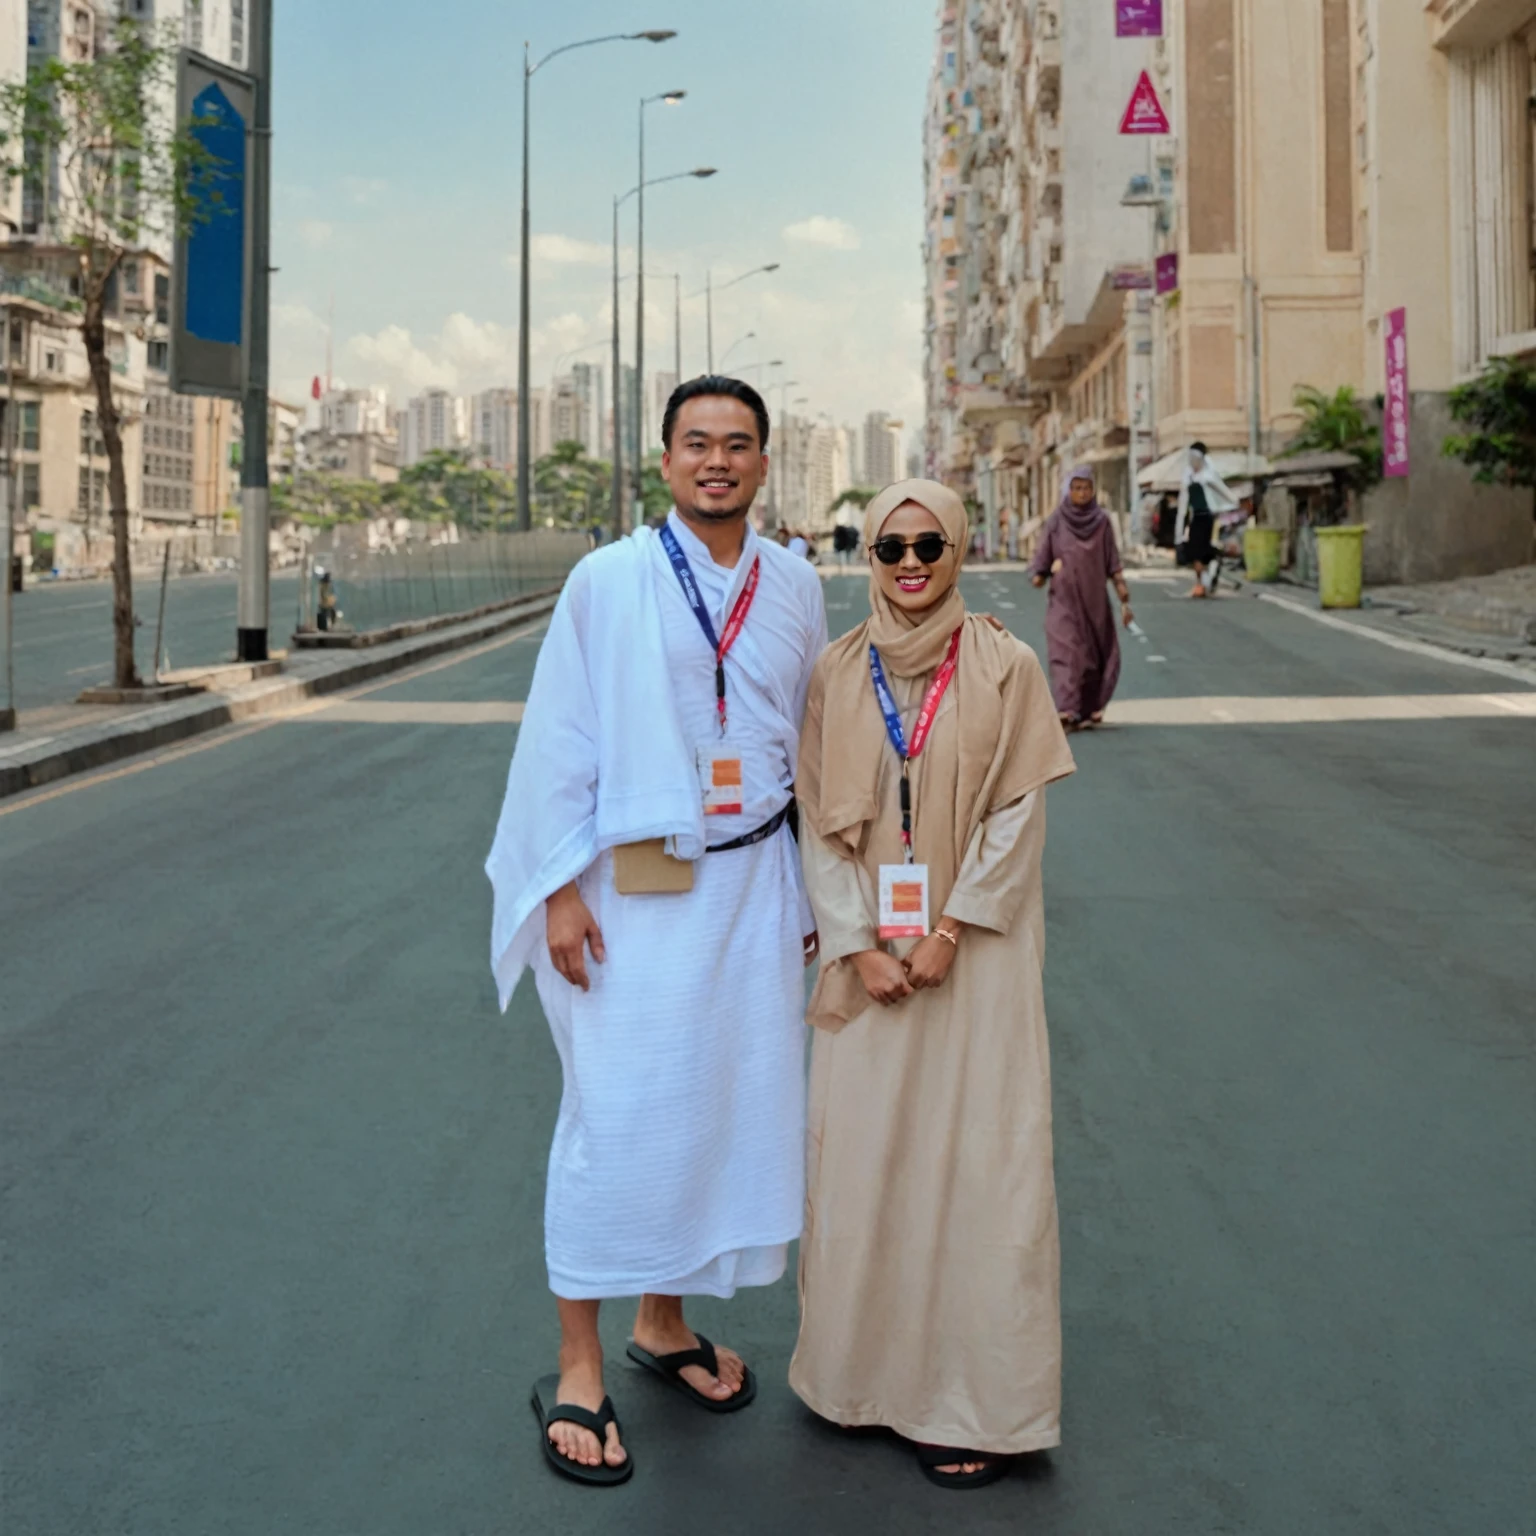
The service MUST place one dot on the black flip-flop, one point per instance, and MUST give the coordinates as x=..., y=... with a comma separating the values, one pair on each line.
x=931, y=1457
x=547, y=1390
x=670, y=1367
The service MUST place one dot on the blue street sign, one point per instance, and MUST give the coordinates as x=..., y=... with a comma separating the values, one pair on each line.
x=210, y=278
x=216, y=243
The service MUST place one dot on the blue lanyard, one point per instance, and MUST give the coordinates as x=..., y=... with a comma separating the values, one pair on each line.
x=690, y=585
x=887, y=702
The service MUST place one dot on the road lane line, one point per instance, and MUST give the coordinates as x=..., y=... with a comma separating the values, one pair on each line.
x=1328, y=709
x=414, y=712
x=226, y=734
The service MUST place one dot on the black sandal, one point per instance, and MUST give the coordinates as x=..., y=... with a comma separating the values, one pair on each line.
x=670, y=1367
x=931, y=1457
x=547, y=1389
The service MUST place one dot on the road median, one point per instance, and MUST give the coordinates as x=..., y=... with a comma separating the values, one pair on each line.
x=35, y=756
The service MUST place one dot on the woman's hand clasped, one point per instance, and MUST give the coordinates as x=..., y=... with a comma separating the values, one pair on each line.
x=883, y=975
x=928, y=964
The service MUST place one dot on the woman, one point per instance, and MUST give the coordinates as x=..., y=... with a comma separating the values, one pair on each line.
x=1077, y=553
x=929, y=1266
x=1203, y=495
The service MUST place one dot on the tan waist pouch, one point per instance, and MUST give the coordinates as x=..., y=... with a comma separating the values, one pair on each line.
x=647, y=869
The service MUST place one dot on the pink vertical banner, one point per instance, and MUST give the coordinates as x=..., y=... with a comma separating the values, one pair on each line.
x=1395, y=422
x=1138, y=18
x=1168, y=272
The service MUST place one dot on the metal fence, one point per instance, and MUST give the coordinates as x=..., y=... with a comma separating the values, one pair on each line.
x=381, y=582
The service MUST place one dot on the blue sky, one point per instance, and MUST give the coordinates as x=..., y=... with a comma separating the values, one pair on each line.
x=397, y=165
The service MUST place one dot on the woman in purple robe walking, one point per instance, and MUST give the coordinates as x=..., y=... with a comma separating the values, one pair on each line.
x=1077, y=554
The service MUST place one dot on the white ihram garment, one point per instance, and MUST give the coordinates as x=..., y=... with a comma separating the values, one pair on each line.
x=678, y=1159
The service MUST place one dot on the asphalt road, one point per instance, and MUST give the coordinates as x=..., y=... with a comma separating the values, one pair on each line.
x=274, y=1166
x=62, y=631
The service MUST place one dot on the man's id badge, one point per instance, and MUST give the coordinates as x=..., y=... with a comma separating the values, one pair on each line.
x=721, y=778
x=903, y=901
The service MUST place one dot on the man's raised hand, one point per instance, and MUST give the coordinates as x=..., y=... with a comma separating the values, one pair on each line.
x=570, y=927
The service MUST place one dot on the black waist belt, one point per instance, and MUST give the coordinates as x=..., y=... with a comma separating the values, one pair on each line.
x=764, y=832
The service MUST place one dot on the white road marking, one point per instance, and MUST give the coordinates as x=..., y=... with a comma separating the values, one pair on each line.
x=1157, y=658
x=413, y=712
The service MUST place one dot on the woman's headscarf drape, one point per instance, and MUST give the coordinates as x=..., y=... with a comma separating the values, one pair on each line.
x=1084, y=522
x=1005, y=741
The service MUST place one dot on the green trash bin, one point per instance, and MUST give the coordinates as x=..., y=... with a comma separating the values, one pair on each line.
x=1339, y=556
x=1261, y=552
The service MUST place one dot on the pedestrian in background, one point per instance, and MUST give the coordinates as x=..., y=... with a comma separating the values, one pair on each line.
x=1203, y=496
x=1078, y=555
x=644, y=867
x=929, y=1263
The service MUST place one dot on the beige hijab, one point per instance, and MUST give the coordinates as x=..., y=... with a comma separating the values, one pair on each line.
x=1002, y=740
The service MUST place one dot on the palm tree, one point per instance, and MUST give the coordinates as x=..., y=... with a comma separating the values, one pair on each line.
x=1336, y=423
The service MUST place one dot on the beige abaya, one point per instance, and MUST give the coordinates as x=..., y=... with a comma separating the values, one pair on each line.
x=929, y=1263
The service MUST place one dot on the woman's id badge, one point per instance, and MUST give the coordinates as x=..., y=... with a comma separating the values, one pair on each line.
x=903, y=901
x=721, y=778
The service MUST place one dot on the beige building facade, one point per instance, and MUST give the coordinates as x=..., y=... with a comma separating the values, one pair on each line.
x=1329, y=162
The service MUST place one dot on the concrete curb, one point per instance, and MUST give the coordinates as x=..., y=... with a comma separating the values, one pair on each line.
x=96, y=745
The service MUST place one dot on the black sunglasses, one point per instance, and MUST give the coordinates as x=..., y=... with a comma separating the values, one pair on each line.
x=928, y=547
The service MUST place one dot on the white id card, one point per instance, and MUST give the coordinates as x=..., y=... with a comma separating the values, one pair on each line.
x=903, y=901
x=720, y=775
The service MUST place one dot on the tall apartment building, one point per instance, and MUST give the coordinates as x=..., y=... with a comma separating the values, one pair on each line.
x=355, y=437
x=662, y=385
x=493, y=423
x=882, y=459
x=587, y=381
x=433, y=422
x=1330, y=162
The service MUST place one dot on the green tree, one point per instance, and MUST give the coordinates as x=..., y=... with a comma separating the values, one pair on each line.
x=570, y=487
x=90, y=135
x=855, y=496
x=446, y=485
x=322, y=500
x=1337, y=423
x=1499, y=409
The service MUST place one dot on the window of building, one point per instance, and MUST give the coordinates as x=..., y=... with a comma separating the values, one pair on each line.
x=131, y=277
x=31, y=426
x=160, y=356
x=31, y=476
x=163, y=298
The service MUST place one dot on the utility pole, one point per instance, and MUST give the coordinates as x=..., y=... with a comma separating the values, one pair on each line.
x=255, y=492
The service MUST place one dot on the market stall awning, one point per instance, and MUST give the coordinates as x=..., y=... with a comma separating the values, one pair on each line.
x=1167, y=474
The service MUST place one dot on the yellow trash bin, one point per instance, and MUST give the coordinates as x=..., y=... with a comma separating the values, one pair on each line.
x=1261, y=552
x=1339, y=555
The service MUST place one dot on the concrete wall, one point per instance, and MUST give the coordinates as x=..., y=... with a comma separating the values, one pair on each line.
x=1437, y=524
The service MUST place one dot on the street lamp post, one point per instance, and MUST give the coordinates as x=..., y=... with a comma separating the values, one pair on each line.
x=709, y=305
x=617, y=498
x=671, y=98
x=1143, y=193
x=524, y=416
x=725, y=356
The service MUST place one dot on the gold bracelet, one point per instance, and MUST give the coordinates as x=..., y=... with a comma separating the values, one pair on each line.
x=949, y=938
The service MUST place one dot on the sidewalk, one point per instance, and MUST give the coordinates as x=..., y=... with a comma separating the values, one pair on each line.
x=1500, y=607
x=59, y=740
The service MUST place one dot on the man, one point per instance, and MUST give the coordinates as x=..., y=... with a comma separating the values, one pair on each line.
x=1203, y=496
x=645, y=869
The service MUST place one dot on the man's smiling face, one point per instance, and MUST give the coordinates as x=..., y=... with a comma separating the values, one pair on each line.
x=715, y=463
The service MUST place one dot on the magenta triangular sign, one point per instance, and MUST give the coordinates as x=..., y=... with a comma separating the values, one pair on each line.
x=1145, y=113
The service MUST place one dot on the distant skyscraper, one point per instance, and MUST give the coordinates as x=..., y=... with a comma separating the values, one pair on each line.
x=883, y=458
x=587, y=385
x=493, y=427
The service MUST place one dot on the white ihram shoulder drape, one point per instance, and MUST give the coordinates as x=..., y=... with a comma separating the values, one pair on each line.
x=678, y=1158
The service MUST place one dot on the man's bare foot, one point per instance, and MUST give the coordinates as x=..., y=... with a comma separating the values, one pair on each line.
x=660, y=1330
x=581, y=1385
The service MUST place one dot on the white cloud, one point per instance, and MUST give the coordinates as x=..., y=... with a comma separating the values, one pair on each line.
x=562, y=250
x=316, y=232
x=835, y=234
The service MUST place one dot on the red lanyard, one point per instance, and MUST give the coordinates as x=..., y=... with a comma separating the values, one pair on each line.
x=921, y=727
x=733, y=627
